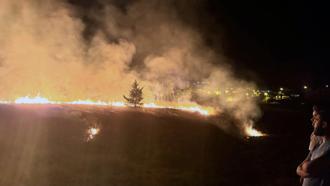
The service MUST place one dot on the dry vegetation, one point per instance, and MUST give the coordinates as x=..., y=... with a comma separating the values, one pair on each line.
x=43, y=145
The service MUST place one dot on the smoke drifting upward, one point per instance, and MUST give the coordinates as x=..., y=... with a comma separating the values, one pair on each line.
x=66, y=51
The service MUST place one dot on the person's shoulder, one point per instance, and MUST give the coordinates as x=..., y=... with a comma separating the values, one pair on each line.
x=326, y=142
x=326, y=148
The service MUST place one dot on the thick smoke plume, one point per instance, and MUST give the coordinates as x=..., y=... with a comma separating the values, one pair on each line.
x=65, y=51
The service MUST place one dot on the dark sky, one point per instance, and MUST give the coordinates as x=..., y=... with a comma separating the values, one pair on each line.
x=280, y=43
x=272, y=42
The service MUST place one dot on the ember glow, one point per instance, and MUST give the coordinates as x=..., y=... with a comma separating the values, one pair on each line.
x=251, y=132
x=189, y=107
x=92, y=132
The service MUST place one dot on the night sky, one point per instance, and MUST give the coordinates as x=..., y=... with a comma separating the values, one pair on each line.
x=274, y=43
x=271, y=42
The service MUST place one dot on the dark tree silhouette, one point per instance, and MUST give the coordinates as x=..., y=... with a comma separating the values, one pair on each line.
x=135, y=95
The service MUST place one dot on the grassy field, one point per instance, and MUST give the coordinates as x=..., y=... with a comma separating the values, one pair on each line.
x=46, y=145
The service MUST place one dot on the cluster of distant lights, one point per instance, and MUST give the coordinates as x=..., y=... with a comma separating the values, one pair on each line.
x=305, y=87
x=229, y=93
x=232, y=92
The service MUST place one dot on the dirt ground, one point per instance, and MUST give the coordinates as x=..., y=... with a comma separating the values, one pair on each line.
x=46, y=145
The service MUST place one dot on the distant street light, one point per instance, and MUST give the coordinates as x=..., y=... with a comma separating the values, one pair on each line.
x=305, y=87
x=281, y=89
x=326, y=86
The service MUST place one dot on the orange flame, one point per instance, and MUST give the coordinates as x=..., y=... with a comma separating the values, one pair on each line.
x=188, y=107
x=92, y=132
x=251, y=132
x=33, y=100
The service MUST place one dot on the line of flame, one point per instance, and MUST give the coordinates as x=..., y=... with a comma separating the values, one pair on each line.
x=189, y=107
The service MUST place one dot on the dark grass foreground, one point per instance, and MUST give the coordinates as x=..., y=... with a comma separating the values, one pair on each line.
x=46, y=145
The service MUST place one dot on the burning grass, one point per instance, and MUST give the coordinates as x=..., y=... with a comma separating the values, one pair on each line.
x=251, y=132
x=94, y=130
x=46, y=144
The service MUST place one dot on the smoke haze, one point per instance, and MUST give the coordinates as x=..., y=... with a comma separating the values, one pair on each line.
x=69, y=50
